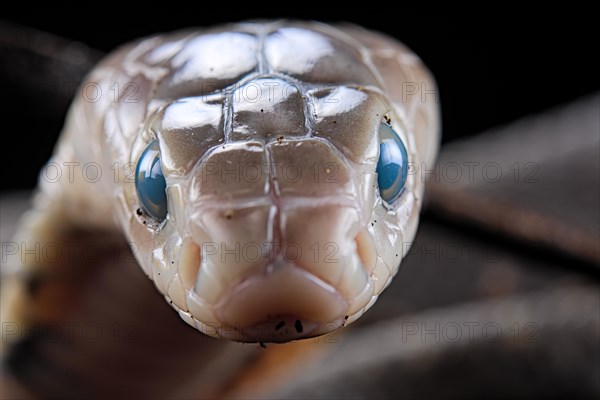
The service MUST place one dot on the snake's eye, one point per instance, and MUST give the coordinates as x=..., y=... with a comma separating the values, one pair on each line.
x=150, y=182
x=392, y=166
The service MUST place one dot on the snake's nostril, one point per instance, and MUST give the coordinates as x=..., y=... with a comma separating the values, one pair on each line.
x=365, y=247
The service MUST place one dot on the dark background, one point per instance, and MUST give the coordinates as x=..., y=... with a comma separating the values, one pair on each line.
x=490, y=69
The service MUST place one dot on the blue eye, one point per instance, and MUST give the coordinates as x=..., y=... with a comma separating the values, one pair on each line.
x=392, y=166
x=150, y=182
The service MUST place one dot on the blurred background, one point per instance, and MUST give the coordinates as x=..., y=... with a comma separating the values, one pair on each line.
x=499, y=295
x=490, y=71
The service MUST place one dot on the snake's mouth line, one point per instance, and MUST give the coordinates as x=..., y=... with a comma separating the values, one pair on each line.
x=280, y=329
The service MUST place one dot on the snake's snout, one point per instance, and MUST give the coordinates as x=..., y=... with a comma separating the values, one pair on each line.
x=280, y=273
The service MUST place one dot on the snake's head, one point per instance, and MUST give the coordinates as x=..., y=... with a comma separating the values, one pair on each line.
x=285, y=221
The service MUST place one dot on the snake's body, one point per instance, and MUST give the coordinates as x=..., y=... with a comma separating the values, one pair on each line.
x=268, y=141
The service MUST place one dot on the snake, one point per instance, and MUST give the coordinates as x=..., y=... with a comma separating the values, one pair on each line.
x=265, y=174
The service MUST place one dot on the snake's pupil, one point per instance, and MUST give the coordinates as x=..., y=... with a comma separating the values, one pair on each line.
x=150, y=182
x=392, y=166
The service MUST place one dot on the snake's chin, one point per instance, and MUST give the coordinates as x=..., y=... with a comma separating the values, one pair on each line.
x=282, y=304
